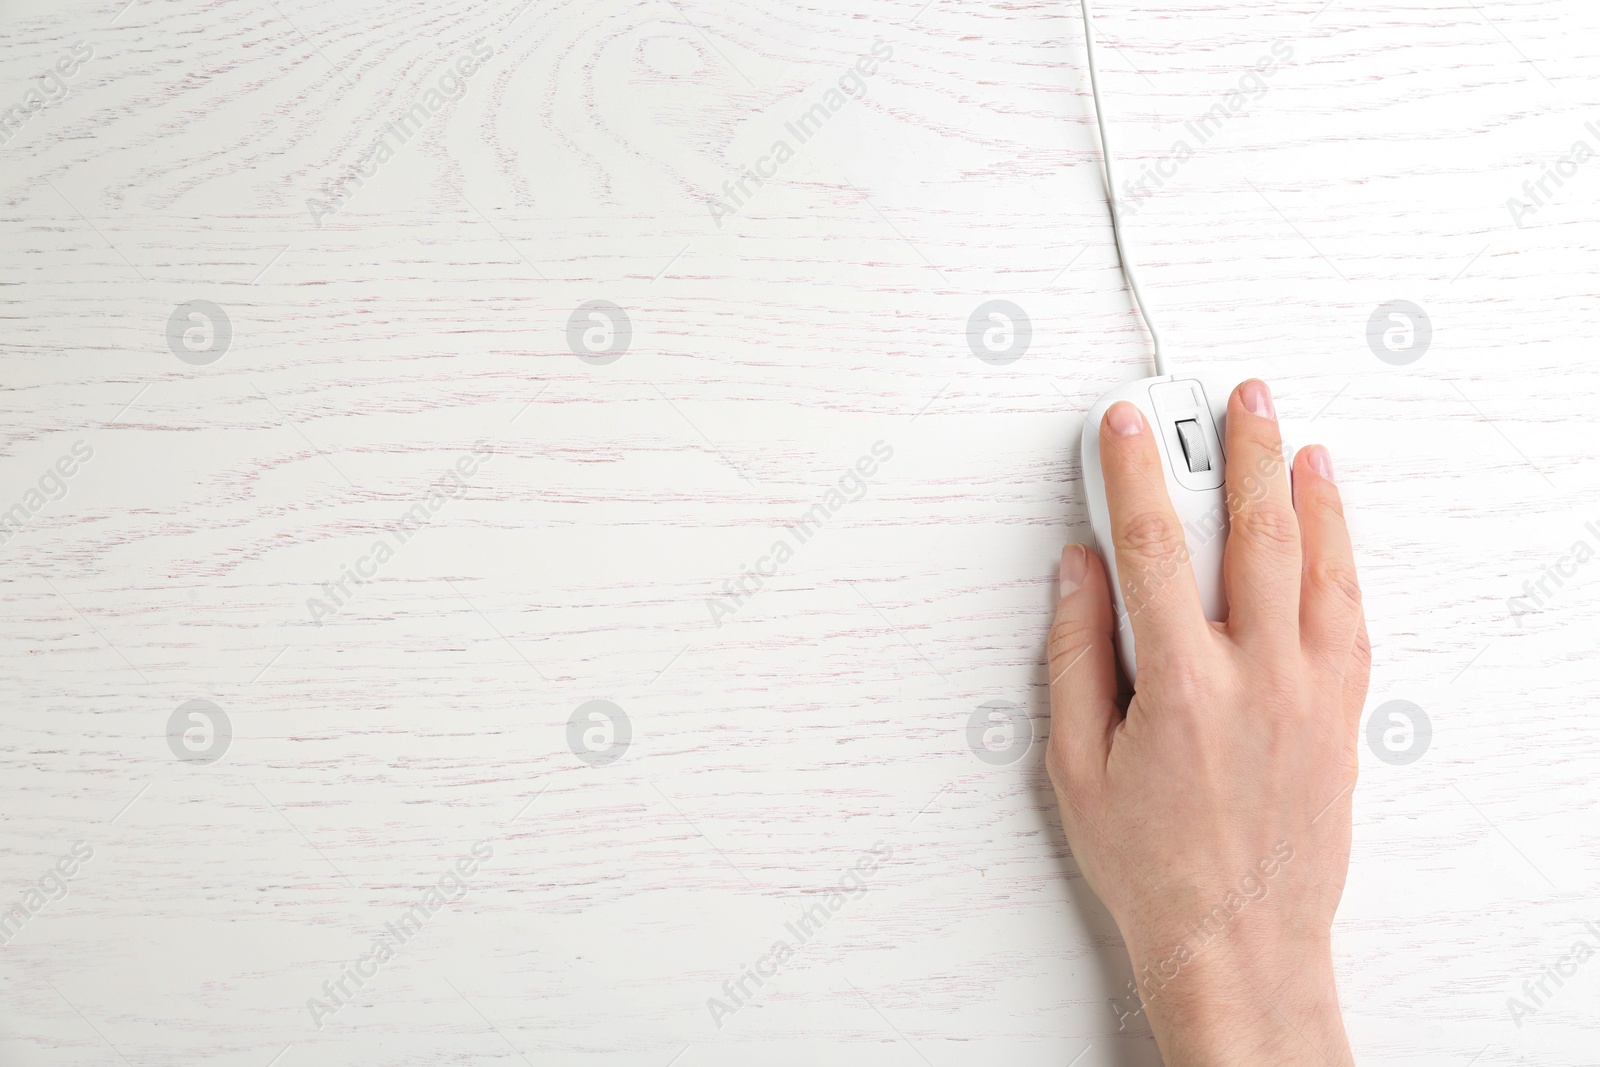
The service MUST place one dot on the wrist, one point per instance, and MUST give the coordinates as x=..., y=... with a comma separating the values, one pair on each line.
x=1241, y=1002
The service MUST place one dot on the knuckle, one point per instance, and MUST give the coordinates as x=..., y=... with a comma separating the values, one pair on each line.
x=1184, y=683
x=1150, y=535
x=1334, y=581
x=1071, y=773
x=1361, y=652
x=1066, y=753
x=1068, y=637
x=1261, y=433
x=1328, y=506
x=1268, y=524
x=1352, y=775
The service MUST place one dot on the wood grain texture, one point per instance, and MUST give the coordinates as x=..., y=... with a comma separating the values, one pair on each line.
x=374, y=346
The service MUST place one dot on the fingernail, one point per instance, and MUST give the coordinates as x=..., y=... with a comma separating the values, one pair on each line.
x=1320, y=461
x=1074, y=564
x=1257, y=400
x=1124, y=419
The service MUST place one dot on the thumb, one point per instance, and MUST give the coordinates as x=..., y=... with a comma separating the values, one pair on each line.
x=1083, y=672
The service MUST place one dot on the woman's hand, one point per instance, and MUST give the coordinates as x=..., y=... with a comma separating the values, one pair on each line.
x=1213, y=815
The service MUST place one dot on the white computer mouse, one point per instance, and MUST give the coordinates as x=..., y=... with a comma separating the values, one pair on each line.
x=1188, y=413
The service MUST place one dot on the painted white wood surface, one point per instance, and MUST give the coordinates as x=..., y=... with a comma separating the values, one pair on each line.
x=369, y=352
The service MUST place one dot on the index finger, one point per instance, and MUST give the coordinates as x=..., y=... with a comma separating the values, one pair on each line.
x=1158, y=586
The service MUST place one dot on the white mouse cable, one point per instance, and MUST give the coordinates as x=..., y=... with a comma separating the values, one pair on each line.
x=1111, y=195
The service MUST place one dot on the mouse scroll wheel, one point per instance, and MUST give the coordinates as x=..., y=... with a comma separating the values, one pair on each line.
x=1194, y=446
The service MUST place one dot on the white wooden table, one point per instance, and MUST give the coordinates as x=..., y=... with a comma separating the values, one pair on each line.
x=353, y=341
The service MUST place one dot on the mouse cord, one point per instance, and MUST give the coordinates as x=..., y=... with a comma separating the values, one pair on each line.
x=1111, y=195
